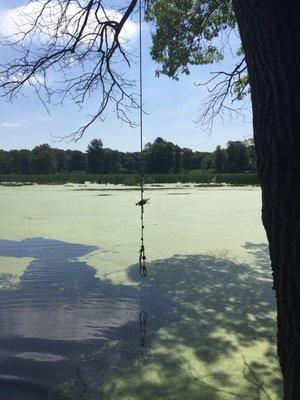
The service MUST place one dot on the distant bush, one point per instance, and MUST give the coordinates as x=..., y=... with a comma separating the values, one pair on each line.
x=201, y=177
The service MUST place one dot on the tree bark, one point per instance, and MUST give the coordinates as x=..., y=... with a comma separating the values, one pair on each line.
x=270, y=33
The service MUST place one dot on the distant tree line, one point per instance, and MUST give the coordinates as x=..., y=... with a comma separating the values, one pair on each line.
x=160, y=156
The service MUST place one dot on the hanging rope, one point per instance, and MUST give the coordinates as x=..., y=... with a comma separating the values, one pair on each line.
x=143, y=317
x=142, y=257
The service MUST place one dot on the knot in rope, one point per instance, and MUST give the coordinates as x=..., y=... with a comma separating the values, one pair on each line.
x=142, y=262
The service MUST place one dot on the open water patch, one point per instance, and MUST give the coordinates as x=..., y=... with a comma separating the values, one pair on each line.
x=178, y=194
x=62, y=322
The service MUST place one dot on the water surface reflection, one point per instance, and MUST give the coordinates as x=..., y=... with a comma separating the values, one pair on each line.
x=61, y=317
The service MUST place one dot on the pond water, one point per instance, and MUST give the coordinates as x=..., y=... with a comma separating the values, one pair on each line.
x=71, y=295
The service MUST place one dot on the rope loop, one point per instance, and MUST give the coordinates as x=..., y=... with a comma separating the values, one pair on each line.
x=143, y=317
x=142, y=262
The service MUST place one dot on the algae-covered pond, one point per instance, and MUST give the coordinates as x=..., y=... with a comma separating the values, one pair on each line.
x=71, y=295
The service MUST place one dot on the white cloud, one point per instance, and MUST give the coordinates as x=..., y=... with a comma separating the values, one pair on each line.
x=16, y=20
x=13, y=125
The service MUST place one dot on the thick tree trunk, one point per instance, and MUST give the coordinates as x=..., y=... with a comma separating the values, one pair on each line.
x=270, y=32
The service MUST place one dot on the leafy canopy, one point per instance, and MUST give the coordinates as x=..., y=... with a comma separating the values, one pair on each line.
x=88, y=55
x=186, y=31
x=196, y=32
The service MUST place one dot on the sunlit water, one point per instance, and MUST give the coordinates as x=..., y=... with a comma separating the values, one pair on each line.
x=71, y=296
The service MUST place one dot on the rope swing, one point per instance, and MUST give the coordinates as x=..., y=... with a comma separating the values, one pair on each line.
x=142, y=257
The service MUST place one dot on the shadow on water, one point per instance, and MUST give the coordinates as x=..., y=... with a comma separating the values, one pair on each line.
x=65, y=329
x=61, y=318
x=222, y=312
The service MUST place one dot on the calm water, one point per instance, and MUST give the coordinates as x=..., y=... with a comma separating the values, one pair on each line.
x=63, y=331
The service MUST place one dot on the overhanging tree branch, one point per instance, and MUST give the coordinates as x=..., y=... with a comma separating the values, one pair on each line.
x=68, y=49
x=82, y=43
x=224, y=88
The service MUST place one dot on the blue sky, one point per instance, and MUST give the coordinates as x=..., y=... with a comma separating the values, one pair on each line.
x=172, y=109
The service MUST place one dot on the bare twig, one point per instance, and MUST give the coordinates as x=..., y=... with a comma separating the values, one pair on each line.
x=82, y=43
x=224, y=89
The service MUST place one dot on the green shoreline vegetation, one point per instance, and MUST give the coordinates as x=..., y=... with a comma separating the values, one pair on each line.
x=162, y=162
x=197, y=177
